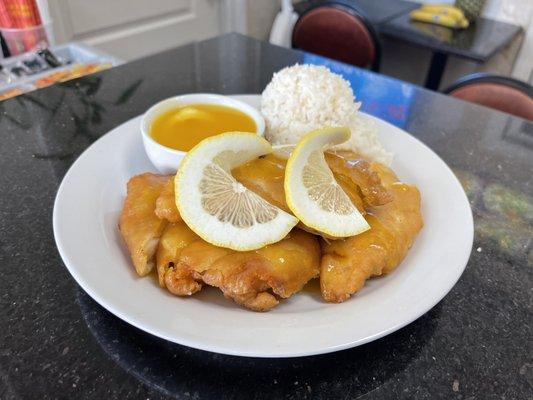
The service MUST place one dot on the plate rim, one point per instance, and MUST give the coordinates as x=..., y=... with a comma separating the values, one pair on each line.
x=221, y=349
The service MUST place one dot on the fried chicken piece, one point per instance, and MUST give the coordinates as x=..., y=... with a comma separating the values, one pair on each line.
x=185, y=262
x=185, y=277
x=253, y=279
x=347, y=263
x=165, y=207
x=138, y=224
x=265, y=176
x=353, y=172
x=174, y=239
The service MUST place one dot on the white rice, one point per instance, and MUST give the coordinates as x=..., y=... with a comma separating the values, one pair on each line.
x=302, y=98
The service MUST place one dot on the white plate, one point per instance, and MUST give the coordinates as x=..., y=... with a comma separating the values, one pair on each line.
x=86, y=212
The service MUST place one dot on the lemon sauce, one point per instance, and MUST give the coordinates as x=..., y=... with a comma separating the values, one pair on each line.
x=182, y=128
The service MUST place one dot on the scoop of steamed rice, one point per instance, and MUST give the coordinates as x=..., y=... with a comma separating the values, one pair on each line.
x=303, y=98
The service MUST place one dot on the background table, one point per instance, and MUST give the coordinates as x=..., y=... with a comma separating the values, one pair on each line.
x=376, y=11
x=56, y=342
x=479, y=42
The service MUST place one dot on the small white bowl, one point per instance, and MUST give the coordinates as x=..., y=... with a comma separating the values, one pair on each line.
x=166, y=159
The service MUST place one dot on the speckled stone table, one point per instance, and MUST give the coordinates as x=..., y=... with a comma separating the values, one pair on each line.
x=57, y=343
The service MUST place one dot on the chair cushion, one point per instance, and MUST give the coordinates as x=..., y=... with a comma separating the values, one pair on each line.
x=497, y=96
x=335, y=33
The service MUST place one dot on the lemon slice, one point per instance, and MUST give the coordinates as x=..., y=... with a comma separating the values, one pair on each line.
x=283, y=151
x=311, y=191
x=218, y=208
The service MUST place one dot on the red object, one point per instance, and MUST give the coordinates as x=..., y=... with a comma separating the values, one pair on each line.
x=497, y=96
x=335, y=33
x=5, y=18
x=23, y=13
x=12, y=9
x=20, y=12
x=35, y=12
x=28, y=13
x=35, y=37
x=21, y=16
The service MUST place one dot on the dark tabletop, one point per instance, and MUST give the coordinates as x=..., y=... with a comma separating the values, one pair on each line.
x=480, y=41
x=376, y=11
x=56, y=342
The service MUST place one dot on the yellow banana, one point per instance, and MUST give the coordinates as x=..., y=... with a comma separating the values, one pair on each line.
x=450, y=10
x=439, y=19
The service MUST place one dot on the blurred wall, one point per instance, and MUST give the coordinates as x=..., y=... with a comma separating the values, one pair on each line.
x=519, y=12
x=260, y=16
x=129, y=29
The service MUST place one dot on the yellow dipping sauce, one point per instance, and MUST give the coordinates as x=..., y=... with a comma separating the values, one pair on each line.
x=184, y=127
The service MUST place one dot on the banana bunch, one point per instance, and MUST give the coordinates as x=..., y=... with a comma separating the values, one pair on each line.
x=441, y=14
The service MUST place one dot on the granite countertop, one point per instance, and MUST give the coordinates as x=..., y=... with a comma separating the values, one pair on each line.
x=479, y=42
x=57, y=343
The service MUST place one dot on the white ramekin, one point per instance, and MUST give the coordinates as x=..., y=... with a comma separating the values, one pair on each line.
x=166, y=159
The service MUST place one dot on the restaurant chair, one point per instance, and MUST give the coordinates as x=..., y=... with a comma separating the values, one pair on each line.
x=340, y=33
x=498, y=92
